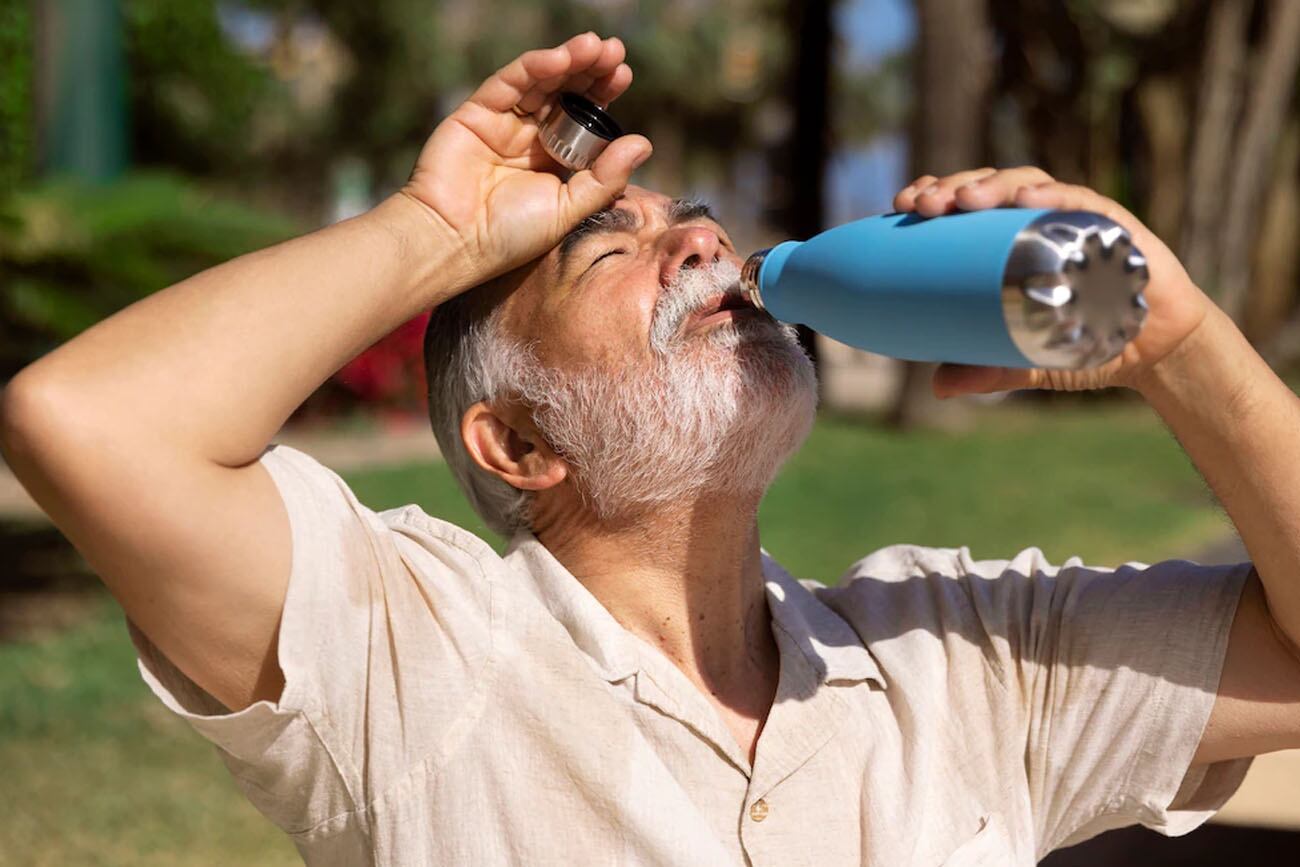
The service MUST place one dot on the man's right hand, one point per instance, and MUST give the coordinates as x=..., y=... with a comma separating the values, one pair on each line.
x=485, y=176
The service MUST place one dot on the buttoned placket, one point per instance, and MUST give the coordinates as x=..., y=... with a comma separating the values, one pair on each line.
x=821, y=657
x=816, y=646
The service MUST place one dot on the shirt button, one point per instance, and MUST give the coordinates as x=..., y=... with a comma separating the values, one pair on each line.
x=758, y=810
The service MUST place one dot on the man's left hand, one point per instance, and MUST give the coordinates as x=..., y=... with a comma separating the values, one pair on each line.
x=1176, y=306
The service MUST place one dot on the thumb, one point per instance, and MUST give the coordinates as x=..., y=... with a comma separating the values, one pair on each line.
x=592, y=189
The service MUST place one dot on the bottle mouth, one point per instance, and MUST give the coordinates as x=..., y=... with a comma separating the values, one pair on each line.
x=749, y=273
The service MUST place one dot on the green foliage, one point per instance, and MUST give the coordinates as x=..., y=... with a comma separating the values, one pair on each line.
x=71, y=254
x=399, y=68
x=16, y=123
x=194, y=97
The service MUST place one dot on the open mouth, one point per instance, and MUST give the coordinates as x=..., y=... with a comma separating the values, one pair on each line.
x=723, y=307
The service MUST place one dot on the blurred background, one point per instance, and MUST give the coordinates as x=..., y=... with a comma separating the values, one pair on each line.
x=143, y=140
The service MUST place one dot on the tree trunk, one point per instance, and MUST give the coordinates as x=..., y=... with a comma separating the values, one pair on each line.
x=1252, y=160
x=1045, y=68
x=1276, y=268
x=802, y=164
x=953, y=72
x=1222, y=69
x=1160, y=101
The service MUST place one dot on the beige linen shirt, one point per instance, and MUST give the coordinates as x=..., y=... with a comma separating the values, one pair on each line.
x=447, y=705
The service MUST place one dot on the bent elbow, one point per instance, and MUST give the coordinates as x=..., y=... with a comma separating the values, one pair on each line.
x=30, y=419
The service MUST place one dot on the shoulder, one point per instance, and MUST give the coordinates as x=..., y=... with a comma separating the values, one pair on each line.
x=912, y=575
x=418, y=569
x=939, y=607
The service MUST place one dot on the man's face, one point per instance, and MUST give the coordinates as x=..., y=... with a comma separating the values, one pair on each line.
x=649, y=374
x=591, y=300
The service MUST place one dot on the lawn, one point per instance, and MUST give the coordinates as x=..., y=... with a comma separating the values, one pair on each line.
x=97, y=773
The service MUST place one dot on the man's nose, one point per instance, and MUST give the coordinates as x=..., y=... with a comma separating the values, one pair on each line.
x=687, y=247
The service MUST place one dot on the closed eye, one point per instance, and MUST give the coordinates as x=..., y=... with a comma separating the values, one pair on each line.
x=606, y=254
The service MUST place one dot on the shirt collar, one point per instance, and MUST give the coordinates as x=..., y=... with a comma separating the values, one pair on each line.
x=597, y=634
x=831, y=645
x=835, y=651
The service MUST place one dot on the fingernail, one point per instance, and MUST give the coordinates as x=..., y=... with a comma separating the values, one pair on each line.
x=970, y=185
x=930, y=190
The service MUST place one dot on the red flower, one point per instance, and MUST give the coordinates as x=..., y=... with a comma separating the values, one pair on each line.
x=390, y=374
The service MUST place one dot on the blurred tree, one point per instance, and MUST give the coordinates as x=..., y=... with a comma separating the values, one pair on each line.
x=399, y=68
x=79, y=88
x=1223, y=62
x=194, y=97
x=953, y=69
x=708, y=75
x=798, y=206
x=1184, y=112
x=1102, y=88
x=71, y=254
x=1257, y=145
x=16, y=121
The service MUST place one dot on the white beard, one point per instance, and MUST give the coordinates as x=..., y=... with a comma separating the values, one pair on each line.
x=715, y=412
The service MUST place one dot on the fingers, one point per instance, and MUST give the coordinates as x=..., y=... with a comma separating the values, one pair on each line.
x=612, y=54
x=536, y=74
x=1072, y=197
x=605, y=90
x=586, y=69
x=936, y=196
x=590, y=190
x=971, y=190
x=997, y=190
x=906, y=198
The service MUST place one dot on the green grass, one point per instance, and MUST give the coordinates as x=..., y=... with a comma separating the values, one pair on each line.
x=97, y=773
x=1108, y=486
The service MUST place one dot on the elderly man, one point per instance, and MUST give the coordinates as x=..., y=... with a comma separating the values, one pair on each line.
x=635, y=682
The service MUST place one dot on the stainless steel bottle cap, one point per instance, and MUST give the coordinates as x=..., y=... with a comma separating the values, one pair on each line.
x=576, y=131
x=1072, y=290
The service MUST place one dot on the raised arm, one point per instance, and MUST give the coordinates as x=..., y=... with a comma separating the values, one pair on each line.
x=1238, y=422
x=140, y=437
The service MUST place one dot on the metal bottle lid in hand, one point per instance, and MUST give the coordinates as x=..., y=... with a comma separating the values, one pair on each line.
x=576, y=131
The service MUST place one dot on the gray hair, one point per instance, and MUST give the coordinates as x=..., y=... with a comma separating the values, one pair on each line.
x=468, y=359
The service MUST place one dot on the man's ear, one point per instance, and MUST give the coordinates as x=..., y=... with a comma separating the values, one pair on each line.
x=504, y=441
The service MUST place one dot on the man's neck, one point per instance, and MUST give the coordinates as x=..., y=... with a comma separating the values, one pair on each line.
x=688, y=580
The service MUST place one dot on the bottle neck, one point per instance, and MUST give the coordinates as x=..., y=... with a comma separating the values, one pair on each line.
x=749, y=282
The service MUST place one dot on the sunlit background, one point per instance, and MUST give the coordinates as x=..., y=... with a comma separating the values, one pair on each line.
x=143, y=140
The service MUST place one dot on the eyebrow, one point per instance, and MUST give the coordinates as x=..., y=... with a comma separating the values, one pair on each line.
x=612, y=219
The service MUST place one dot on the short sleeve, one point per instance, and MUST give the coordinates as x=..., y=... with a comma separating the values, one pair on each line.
x=385, y=631
x=1116, y=672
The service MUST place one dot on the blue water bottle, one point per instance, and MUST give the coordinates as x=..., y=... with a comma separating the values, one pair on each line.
x=1011, y=287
